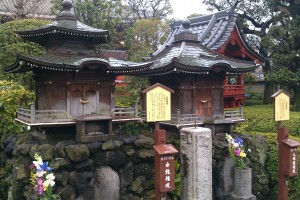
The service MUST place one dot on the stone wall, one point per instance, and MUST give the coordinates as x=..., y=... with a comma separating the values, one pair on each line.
x=116, y=169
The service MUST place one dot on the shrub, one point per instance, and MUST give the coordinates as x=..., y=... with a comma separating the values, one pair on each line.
x=11, y=95
x=260, y=119
x=254, y=98
x=133, y=128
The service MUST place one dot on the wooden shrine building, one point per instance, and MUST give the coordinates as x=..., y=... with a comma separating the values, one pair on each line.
x=196, y=74
x=75, y=85
x=220, y=33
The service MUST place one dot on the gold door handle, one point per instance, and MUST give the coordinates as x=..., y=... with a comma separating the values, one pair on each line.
x=83, y=101
x=204, y=101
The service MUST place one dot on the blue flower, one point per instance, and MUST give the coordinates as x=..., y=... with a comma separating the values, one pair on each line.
x=45, y=167
x=239, y=141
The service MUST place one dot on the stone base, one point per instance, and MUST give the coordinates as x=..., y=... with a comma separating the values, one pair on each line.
x=234, y=197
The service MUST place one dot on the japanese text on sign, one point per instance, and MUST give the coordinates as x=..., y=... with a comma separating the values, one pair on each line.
x=158, y=105
x=282, y=106
x=167, y=182
x=294, y=160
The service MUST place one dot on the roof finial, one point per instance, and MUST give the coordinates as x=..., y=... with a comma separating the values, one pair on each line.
x=186, y=24
x=67, y=12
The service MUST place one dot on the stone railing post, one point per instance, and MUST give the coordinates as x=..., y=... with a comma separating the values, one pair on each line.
x=242, y=111
x=178, y=116
x=32, y=114
x=196, y=162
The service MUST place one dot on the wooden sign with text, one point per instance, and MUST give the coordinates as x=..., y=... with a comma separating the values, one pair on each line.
x=158, y=103
x=281, y=106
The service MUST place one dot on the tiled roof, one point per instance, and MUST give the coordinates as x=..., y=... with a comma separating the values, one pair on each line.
x=59, y=62
x=189, y=57
x=213, y=30
x=66, y=26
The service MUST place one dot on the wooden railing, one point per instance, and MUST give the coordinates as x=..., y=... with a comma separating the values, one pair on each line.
x=41, y=116
x=236, y=113
x=233, y=90
x=180, y=119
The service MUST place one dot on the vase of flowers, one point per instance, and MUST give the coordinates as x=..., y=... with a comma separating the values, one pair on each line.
x=42, y=179
x=242, y=175
x=236, y=150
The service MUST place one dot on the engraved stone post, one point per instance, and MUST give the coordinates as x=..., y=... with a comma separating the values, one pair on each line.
x=196, y=163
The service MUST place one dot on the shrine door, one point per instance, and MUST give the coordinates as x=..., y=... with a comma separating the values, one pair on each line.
x=203, y=101
x=83, y=99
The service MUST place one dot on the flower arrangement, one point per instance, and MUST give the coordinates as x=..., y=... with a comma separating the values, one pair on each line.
x=43, y=179
x=236, y=150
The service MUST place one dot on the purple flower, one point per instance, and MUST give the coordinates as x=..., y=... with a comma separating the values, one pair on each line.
x=39, y=186
x=237, y=152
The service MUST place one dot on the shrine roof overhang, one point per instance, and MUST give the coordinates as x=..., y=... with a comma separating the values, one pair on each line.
x=213, y=31
x=66, y=28
x=74, y=63
x=193, y=57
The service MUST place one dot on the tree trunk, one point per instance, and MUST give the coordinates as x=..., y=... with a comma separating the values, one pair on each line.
x=297, y=99
x=268, y=91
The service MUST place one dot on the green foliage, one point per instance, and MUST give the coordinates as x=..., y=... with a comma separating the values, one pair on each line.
x=254, y=98
x=249, y=78
x=136, y=86
x=11, y=95
x=260, y=119
x=134, y=128
x=272, y=167
x=11, y=45
x=3, y=184
x=123, y=97
x=283, y=44
x=99, y=14
x=144, y=37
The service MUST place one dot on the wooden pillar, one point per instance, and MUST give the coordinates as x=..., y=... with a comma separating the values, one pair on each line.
x=283, y=133
x=240, y=79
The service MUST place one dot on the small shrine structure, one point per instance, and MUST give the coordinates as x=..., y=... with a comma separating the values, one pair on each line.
x=220, y=33
x=72, y=80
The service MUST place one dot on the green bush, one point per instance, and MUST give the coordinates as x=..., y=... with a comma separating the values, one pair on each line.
x=11, y=95
x=272, y=168
x=134, y=128
x=254, y=98
x=260, y=119
x=3, y=184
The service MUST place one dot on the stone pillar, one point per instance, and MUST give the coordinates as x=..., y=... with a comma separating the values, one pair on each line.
x=196, y=163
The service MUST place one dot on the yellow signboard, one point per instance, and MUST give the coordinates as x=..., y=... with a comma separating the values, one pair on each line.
x=281, y=106
x=158, y=103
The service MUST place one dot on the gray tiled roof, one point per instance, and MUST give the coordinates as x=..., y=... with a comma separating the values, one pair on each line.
x=59, y=62
x=194, y=57
x=66, y=26
x=213, y=30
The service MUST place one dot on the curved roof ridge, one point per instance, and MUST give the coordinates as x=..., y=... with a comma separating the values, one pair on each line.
x=203, y=18
x=213, y=34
